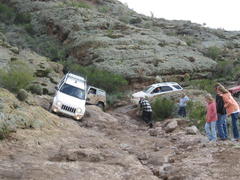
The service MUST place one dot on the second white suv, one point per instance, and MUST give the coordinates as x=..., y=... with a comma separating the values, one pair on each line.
x=157, y=89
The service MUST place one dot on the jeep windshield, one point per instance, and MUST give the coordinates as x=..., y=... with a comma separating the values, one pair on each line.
x=73, y=91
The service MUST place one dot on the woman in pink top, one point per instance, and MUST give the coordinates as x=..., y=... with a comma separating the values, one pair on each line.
x=232, y=109
x=211, y=118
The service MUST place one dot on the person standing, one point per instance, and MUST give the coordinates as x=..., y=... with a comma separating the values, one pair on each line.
x=221, y=123
x=211, y=118
x=182, y=105
x=232, y=109
x=146, y=111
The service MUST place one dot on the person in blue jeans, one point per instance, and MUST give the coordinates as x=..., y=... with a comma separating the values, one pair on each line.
x=211, y=118
x=221, y=123
x=182, y=105
x=232, y=109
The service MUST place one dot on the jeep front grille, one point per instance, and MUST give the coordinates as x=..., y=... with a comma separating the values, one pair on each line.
x=68, y=108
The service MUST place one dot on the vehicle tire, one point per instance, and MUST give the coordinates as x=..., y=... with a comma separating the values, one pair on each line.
x=101, y=105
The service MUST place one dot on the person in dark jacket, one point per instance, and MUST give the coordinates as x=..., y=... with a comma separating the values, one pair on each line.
x=146, y=111
x=221, y=123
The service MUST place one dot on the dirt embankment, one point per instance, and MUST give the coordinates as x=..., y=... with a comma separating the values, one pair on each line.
x=114, y=146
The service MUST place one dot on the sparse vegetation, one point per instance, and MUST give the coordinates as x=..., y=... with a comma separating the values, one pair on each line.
x=163, y=108
x=190, y=40
x=204, y=84
x=7, y=14
x=113, y=98
x=23, y=18
x=4, y=130
x=213, y=52
x=104, y=9
x=36, y=89
x=196, y=113
x=103, y=79
x=22, y=95
x=136, y=20
x=78, y=4
x=29, y=29
x=17, y=77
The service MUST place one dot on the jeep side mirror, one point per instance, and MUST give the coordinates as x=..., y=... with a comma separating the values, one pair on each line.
x=56, y=87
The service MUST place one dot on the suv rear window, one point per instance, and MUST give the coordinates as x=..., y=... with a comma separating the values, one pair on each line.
x=165, y=88
x=177, y=86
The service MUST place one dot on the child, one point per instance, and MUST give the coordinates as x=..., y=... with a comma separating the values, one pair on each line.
x=211, y=118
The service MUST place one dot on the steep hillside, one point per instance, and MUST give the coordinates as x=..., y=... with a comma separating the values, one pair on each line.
x=109, y=36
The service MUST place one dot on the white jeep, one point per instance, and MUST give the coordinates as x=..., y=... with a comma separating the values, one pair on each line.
x=70, y=97
x=156, y=89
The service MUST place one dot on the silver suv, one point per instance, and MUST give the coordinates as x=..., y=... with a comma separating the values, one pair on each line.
x=157, y=89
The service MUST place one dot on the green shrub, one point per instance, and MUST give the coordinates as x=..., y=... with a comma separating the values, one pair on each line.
x=163, y=108
x=22, y=95
x=17, y=77
x=204, y=84
x=196, y=113
x=51, y=49
x=213, y=52
x=7, y=14
x=190, y=40
x=23, y=18
x=108, y=81
x=113, y=98
x=36, y=89
x=78, y=5
x=124, y=18
x=4, y=131
x=29, y=29
x=104, y=9
x=135, y=20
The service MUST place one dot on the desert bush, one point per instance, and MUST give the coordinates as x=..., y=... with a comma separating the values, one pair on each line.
x=163, y=108
x=22, y=95
x=23, y=18
x=224, y=69
x=108, y=81
x=213, y=52
x=135, y=20
x=196, y=113
x=204, y=84
x=190, y=40
x=124, y=18
x=36, y=89
x=4, y=130
x=78, y=4
x=7, y=14
x=29, y=29
x=113, y=98
x=17, y=77
x=104, y=9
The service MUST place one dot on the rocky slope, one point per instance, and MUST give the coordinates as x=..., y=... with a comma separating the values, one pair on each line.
x=109, y=36
x=47, y=73
x=108, y=146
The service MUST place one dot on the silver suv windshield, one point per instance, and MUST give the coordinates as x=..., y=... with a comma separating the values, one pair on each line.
x=147, y=89
x=73, y=91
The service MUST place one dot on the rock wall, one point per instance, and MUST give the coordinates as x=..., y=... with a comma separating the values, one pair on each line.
x=102, y=40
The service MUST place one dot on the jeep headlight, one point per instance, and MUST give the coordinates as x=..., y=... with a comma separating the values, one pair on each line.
x=59, y=104
x=78, y=110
